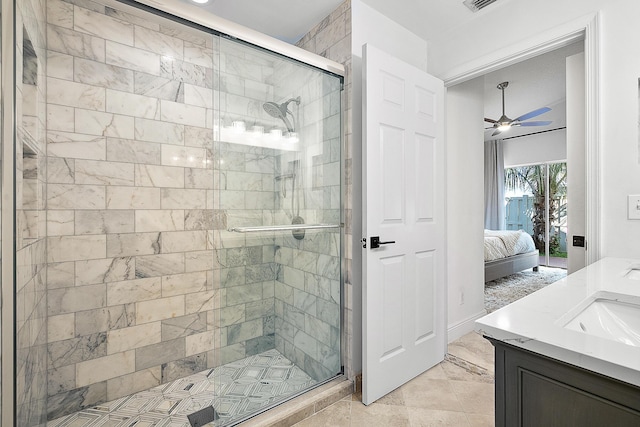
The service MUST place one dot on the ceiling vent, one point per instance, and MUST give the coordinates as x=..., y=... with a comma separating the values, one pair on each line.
x=476, y=5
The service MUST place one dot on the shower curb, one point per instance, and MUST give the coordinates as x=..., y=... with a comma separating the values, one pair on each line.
x=303, y=406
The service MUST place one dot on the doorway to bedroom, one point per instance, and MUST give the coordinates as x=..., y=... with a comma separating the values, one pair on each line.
x=533, y=160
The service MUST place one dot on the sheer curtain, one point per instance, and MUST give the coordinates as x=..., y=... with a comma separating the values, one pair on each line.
x=493, y=185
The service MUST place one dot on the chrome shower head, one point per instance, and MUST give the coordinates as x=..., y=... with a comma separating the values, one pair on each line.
x=275, y=110
x=279, y=111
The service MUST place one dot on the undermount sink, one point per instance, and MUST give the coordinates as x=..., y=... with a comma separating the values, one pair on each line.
x=608, y=315
x=633, y=273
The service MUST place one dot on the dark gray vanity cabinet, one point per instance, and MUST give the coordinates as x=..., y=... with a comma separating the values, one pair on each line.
x=533, y=390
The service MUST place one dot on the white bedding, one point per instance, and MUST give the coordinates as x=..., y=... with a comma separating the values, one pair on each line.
x=503, y=243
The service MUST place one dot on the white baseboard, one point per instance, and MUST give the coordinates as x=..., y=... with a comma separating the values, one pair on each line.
x=463, y=327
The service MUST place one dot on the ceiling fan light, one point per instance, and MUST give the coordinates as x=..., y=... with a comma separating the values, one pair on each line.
x=504, y=123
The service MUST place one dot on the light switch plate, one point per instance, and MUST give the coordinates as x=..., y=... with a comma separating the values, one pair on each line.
x=634, y=207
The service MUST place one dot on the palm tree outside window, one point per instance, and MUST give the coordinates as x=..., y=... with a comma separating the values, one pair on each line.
x=546, y=209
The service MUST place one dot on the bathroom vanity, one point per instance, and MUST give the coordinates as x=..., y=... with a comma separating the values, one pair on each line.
x=569, y=354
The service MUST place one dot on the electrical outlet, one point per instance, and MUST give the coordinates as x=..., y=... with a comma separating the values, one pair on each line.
x=634, y=207
x=461, y=298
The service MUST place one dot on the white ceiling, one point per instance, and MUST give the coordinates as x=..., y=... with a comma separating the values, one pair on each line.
x=289, y=20
x=430, y=19
x=286, y=20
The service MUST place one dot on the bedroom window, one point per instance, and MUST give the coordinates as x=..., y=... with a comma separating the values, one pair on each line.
x=536, y=201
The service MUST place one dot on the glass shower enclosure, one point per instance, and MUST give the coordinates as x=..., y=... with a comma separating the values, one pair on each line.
x=177, y=228
x=278, y=246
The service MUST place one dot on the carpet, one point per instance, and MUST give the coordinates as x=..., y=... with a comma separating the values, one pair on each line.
x=503, y=291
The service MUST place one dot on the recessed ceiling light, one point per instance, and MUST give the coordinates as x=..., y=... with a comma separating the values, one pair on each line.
x=200, y=1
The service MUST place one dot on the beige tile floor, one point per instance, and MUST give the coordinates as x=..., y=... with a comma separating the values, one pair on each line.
x=458, y=392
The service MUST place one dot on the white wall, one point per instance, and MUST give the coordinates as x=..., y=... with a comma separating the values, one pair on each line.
x=506, y=27
x=515, y=24
x=539, y=148
x=369, y=26
x=465, y=206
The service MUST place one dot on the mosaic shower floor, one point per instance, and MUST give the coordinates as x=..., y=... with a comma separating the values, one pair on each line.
x=235, y=390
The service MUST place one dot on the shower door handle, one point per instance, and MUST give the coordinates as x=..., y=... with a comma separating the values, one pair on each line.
x=375, y=242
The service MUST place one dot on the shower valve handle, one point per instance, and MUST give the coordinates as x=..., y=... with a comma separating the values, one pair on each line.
x=375, y=242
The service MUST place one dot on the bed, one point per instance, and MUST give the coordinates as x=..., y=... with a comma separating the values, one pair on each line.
x=507, y=252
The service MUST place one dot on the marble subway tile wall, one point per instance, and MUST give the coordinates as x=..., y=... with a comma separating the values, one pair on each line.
x=246, y=76
x=30, y=151
x=130, y=201
x=331, y=38
x=308, y=286
x=245, y=181
x=307, y=304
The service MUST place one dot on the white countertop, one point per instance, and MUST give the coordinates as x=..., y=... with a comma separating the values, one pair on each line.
x=536, y=322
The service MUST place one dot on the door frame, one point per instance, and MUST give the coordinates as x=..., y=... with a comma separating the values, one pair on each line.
x=587, y=29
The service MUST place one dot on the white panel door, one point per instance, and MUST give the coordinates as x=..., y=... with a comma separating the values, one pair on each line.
x=403, y=190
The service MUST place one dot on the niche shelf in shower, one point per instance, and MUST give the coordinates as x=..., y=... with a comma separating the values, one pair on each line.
x=237, y=133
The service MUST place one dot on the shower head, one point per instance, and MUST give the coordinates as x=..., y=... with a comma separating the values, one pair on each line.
x=279, y=111
x=275, y=110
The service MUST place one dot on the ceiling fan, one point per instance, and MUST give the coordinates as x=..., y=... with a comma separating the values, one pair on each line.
x=504, y=122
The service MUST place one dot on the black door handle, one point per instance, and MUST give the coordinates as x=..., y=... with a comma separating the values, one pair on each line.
x=375, y=242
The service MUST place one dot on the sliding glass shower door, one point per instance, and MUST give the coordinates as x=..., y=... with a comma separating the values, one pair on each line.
x=278, y=178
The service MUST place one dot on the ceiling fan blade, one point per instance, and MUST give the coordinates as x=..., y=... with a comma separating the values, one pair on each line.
x=490, y=120
x=497, y=132
x=534, y=123
x=532, y=114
